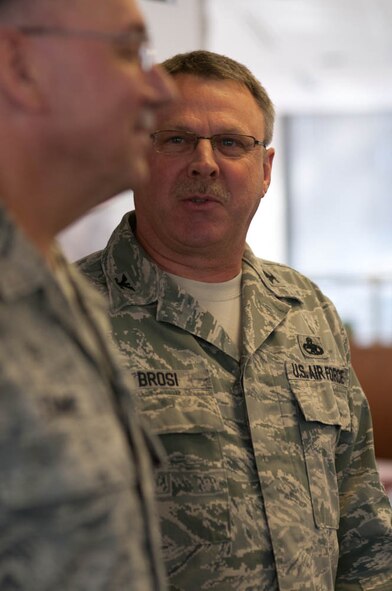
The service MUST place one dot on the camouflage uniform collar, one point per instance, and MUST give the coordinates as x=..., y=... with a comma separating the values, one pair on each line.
x=23, y=269
x=273, y=277
x=132, y=277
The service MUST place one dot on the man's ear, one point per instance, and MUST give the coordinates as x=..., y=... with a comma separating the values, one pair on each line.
x=267, y=168
x=18, y=80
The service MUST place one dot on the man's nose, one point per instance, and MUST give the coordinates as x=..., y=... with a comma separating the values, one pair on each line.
x=203, y=160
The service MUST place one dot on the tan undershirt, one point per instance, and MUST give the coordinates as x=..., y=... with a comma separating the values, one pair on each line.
x=222, y=300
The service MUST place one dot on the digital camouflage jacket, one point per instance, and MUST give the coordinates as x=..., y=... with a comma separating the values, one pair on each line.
x=270, y=481
x=76, y=483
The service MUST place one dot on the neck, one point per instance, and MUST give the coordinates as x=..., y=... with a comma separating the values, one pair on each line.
x=207, y=266
x=35, y=231
x=26, y=204
x=43, y=197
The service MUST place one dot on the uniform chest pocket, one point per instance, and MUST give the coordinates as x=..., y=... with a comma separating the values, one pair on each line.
x=192, y=485
x=324, y=412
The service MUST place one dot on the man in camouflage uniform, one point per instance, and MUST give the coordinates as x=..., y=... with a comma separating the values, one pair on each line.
x=76, y=484
x=242, y=366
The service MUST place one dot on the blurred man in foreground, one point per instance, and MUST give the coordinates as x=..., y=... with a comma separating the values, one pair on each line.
x=76, y=106
x=242, y=366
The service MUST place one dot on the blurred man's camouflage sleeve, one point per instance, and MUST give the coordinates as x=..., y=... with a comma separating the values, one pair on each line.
x=75, y=474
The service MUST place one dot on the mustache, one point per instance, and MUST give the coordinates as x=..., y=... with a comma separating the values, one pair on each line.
x=188, y=188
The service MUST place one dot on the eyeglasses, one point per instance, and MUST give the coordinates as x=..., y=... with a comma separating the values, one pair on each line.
x=134, y=41
x=230, y=145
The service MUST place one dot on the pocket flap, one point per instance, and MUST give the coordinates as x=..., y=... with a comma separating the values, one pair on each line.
x=171, y=413
x=321, y=401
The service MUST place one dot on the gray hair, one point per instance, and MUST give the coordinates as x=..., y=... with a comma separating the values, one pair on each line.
x=207, y=64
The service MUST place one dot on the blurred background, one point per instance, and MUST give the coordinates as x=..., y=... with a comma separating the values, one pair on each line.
x=327, y=66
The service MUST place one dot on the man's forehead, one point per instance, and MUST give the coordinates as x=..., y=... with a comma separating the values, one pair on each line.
x=209, y=95
x=193, y=88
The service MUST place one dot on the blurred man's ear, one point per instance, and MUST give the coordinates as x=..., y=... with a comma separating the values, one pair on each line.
x=18, y=81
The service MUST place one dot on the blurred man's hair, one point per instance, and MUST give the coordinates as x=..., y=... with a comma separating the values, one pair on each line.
x=207, y=64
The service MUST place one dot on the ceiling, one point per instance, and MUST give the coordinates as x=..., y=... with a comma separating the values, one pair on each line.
x=312, y=55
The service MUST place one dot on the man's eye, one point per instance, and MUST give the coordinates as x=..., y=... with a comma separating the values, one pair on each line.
x=127, y=51
x=229, y=142
x=176, y=139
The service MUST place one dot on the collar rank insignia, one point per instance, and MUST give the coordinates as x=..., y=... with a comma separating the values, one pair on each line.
x=271, y=278
x=123, y=282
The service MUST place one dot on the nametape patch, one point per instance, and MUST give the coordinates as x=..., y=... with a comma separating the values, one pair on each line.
x=182, y=378
x=317, y=372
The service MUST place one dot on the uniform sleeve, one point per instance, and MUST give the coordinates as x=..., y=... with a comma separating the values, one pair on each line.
x=365, y=532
